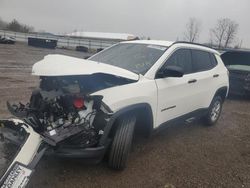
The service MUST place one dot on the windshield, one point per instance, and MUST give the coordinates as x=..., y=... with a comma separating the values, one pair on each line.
x=138, y=58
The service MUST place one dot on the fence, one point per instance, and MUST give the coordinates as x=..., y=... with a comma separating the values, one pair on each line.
x=63, y=41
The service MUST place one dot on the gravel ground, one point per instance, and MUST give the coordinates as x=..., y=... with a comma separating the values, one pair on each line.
x=188, y=155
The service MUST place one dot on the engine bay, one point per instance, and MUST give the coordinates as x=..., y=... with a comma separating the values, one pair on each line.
x=62, y=110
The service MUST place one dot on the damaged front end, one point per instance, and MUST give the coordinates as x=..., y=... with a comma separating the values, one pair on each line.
x=64, y=113
x=62, y=118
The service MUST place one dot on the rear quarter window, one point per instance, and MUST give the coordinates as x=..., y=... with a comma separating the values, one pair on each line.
x=213, y=60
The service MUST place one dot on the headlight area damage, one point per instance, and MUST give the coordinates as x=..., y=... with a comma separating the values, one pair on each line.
x=63, y=118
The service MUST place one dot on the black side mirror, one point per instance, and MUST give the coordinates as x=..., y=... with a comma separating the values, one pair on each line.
x=170, y=71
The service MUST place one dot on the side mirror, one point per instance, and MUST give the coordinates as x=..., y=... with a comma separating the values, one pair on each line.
x=170, y=71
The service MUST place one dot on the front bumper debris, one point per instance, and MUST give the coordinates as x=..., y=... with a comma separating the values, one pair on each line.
x=31, y=150
x=32, y=147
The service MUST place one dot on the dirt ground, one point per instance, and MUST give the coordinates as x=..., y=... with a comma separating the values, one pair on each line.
x=188, y=155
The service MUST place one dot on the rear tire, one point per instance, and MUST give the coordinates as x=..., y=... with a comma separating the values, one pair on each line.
x=122, y=142
x=214, y=111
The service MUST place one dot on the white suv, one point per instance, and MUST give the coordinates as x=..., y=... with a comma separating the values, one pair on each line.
x=87, y=108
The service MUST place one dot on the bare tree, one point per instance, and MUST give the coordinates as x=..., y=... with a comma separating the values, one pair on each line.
x=14, y=25
x=238, y=44
x=224, y=32
x=2, y=24
x=230, y=33
x=193, y=28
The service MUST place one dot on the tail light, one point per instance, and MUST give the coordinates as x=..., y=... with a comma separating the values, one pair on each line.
x=78, y=102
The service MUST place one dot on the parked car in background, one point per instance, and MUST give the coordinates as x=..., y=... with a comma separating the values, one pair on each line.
x=238, y=65
x=42, y=42
x=7, y=40
x=82, y=49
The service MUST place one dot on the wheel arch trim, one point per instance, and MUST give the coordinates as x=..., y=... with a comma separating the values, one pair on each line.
x=123, y=111
x=222, y=91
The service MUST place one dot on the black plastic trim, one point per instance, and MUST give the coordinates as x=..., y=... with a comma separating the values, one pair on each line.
x=94, y=154
x=222, y=90
x=193, y=43
x=121, y=112
x=197, y=114
x=38, y=156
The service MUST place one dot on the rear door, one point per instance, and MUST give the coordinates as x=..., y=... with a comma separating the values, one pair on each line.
x=206, y=73
x=176, y=95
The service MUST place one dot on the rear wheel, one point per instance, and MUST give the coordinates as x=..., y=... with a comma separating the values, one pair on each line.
x=214, y=111
x=122, y=142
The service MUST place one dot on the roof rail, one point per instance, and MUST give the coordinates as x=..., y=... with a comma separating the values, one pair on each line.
x=185, y=42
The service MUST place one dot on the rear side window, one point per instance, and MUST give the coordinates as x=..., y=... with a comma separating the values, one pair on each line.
x=213, y=59
x=202, y=60
x=181, y=58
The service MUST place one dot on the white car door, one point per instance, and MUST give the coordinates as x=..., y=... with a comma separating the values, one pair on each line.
x=204, y=65
x=176, y=95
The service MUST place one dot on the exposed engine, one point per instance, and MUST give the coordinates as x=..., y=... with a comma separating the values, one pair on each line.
x=61, y=112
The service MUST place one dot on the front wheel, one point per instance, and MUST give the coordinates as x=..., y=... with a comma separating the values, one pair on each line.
x=214, y=111
x=122, y=142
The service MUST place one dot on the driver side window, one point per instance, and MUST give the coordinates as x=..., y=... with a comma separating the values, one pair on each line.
x=181, y=58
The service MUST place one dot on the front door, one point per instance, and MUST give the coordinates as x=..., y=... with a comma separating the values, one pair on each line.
x=176, y=95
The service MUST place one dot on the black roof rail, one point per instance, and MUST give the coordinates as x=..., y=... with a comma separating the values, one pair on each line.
x=185, y=42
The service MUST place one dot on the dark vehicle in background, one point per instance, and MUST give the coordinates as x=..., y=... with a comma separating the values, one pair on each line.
x=7, y=40
x=82, y=49
x=238, y=65
x=42, y=42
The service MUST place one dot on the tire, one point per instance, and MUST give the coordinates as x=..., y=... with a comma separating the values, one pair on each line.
x=214, y=111
x=122, y=142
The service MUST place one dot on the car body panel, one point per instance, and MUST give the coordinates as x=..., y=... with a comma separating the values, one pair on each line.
x=176, y=97
x=143, y=91
x=61, y=65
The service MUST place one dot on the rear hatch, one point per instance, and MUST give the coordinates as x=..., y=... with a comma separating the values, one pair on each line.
x=238, y=64
x=237, y=60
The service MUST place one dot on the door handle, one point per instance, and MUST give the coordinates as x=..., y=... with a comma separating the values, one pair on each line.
x=216, y=75
x=192, y=81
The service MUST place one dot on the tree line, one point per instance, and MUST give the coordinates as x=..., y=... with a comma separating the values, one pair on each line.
x=222, y=35
x=15, y=26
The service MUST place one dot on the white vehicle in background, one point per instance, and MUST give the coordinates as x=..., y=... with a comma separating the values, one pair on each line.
x=88, y=108
x=7, y=40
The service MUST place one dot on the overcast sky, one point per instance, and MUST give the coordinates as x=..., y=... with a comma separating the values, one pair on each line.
x=159, y=19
